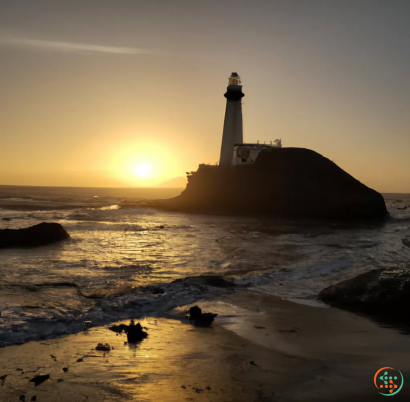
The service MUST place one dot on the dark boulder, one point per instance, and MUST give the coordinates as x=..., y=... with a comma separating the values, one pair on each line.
x=383, y=293
x=104, y=347
x=134, y=331
x=156, y=290
x=194, y=312
x=38, y=235
x=283, y=182
x=199, y=318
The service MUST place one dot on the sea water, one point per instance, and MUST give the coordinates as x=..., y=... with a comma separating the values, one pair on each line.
x=119, y=250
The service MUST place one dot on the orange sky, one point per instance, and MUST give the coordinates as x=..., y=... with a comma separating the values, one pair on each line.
x=93, y=90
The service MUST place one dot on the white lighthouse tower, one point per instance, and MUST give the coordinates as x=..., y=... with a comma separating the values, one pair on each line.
x=233, y=130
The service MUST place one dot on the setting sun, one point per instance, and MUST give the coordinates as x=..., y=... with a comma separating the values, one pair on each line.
x=142, y=171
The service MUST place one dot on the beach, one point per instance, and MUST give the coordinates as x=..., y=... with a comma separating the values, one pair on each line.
x=260, y=348
x=272, y=340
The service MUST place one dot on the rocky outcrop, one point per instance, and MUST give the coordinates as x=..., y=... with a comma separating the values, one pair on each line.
x=38, y=235
x=134, y=331
x=199, y=318
x=382, y=292
x=285, y=182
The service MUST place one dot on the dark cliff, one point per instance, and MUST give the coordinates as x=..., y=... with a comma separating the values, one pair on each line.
x=286, y=182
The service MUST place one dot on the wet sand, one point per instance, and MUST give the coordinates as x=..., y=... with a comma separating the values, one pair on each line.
x=260, y=348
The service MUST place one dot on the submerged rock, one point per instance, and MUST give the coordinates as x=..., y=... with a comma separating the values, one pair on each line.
x=87, y=324
x=157, y=290
x=285, y=182
x=134, y=331
x=209, y=280
x=382, y=292
x=199, y=318
x=37, y=235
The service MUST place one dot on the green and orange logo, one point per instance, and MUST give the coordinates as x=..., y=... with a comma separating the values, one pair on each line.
x=388, y=381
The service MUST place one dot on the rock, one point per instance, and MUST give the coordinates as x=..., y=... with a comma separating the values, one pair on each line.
x=406, y=242
x=105, y=347
x=194, y=312
x=381, y=292
x=53, y=357
x=119, y=328
x=23, y=398
x=157, y=291
x=38, y=235
x=80, y=360
x=205, y=320
x=285, y=182
x=199, y=318
x=134, y=331
x=39, y=379
x=6, y=219
x=3, y=379
x=211, y=280
x=65, y=369
x=33, y=399
x=60, y=380
x=88, y=324
x=252, y=363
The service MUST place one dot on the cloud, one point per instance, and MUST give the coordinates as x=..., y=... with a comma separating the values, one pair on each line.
x=72, y=47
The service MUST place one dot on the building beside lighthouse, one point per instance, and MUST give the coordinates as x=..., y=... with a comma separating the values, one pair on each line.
x=233, y=149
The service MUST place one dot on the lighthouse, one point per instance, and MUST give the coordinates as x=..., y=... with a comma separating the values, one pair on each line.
x=233, y=130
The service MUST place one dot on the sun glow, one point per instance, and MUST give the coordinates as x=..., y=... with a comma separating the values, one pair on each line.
x=142, y=170
x=144, y=164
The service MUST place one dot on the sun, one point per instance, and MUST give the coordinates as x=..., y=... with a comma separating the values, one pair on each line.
x=142, y=170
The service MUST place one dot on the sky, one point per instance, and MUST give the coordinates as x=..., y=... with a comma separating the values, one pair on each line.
x=130, y=93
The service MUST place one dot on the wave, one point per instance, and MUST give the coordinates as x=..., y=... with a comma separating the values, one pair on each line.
x=107, y=208
x=104, y=308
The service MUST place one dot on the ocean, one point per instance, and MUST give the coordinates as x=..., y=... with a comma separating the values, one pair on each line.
x=118, y=251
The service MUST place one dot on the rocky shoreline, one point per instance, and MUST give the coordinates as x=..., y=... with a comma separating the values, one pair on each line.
x=383, y=294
